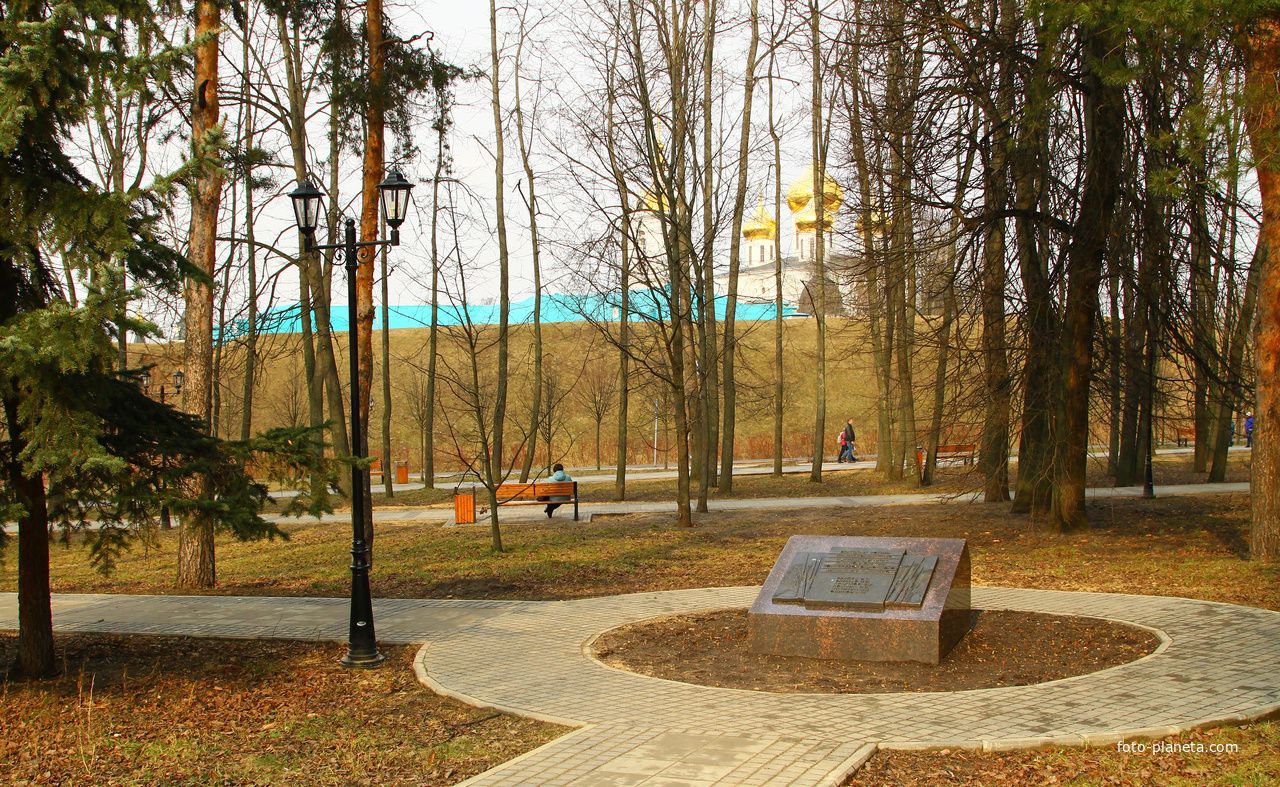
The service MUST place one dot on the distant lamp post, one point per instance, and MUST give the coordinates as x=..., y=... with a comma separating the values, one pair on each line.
x=178, y=378
x=362, y=644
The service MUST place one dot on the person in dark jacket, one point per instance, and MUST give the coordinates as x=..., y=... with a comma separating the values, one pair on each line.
x=558, y=475
x=846, y=443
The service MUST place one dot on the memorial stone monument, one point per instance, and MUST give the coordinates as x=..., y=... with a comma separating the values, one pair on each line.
x=854, y=597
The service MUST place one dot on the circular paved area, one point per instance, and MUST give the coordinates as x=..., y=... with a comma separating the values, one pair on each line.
x=1218, y=664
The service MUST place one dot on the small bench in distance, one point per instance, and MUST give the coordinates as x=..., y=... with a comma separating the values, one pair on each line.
x=966, y=452
x=518, y=494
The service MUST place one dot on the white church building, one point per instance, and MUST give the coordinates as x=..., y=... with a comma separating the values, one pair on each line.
x=759, y=249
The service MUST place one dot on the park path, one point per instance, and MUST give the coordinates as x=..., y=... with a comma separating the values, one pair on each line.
x=1217, y=664
x=589, y=509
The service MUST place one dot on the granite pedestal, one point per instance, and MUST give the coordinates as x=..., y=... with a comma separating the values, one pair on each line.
x=856, y=597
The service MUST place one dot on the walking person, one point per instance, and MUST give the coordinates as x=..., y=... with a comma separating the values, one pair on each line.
x=847, y=439
x=1248, y=430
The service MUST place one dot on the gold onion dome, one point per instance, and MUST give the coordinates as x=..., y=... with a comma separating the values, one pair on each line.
x=760, y=227
x=801, y=192
x=807, y=218
x=653, y=202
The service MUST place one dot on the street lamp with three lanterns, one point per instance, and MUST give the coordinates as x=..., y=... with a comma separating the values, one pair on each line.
x=362, y=644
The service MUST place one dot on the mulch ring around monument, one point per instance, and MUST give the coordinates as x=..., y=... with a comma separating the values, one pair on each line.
x=1002, y=649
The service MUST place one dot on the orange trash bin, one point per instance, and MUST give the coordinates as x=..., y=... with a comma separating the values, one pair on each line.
x=402, y=472
x=464, y=508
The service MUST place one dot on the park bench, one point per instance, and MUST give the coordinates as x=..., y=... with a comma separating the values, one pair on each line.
x=1186, y=436
x=527, y=494
x=516, y=494
x=963, y=451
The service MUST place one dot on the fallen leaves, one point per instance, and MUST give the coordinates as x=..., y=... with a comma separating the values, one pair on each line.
x=241, y=713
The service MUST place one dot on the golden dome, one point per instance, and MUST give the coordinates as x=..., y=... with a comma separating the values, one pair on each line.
x=801, y=192
x=653, y=202
x=761, y=226
x=807, y=219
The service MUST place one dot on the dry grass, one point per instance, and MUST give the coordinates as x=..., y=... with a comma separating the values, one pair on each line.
x=1181, y=546
x=1255, y=762
x=145, y=711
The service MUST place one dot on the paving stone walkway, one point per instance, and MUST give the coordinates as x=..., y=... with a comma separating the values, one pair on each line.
x=1217, y=664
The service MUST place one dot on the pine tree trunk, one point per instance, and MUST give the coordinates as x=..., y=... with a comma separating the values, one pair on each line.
x=1262, y=118
x=195, y=539
x=388, y=466
x=369, y=231
x=34, y=647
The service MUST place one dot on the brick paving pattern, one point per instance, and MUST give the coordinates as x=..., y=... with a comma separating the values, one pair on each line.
x=1217, y=665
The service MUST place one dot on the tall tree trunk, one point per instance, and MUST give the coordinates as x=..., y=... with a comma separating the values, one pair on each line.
x=374, y=159
x=34, y=647
x=433, y=338
x=1034, y=490
x=711, y=349
x=1115, y=365
x=195, y=540
x=819, y=267
x=388, y=465
x=1226, y=395
x=869, y=226
x=251, y=338
x=949, y=317
x=1104, y=141
x=1135, y=379
x=778, y=366
x=219, y=342
x=315, y=382
x=624, y=284
x=1262, y=118
x=1226, y=402
x=497, y=464
x=322, y=368
x=993, y=458
x=735, y=259
x=535, y=411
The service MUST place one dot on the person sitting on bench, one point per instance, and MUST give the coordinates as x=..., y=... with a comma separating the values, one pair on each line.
x=558, y=476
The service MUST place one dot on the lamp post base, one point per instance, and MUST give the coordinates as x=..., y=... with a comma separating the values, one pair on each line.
x=362, y=659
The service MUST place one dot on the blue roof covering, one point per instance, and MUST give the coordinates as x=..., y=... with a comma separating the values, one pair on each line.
x=555, y=308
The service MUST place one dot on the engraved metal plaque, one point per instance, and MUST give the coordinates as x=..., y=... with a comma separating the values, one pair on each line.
x=796, y=581
x=854, y=579
x=857, y=579
x=912, y=581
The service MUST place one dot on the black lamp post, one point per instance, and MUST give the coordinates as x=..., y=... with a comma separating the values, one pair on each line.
x=362, y=644
x=178, y=378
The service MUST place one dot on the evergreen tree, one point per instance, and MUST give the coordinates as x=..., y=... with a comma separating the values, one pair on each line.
x=74, y=429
